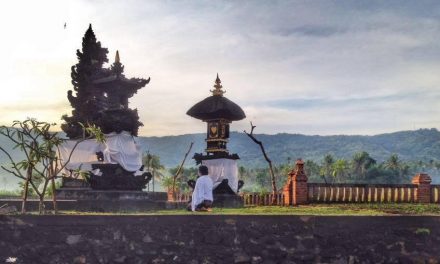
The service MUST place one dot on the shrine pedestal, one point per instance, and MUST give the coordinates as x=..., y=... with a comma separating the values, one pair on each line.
x=114, y=177
x=228, y=201
x=81, y=197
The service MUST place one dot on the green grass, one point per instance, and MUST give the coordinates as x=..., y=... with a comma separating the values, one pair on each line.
x=9, y=193
x=314, y=209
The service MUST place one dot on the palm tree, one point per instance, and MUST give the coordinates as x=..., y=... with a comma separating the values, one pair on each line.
x=339, y=169
x=327, y=165
x=393, y=162
x=361, y=163
x=152, y=163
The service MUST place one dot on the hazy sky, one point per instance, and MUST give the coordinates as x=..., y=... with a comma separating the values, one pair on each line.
x=312, y=67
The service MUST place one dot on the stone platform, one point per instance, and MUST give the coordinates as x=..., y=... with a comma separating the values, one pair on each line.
x=90, y=194
x=111, y=206
x=78, y=195
x=87, y=199
x=219, y=239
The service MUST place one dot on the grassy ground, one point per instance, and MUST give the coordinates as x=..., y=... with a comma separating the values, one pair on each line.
x=9, y=193
x=314, y=209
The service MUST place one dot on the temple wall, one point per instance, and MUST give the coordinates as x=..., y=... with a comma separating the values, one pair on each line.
x=219, y=239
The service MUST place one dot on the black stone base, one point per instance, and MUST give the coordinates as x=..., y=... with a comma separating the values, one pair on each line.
x=87, y=199
x=224, y=196
x=114, y=177
x=69, y=182
x=113, y=206
x=89, y=194
x=228, y=201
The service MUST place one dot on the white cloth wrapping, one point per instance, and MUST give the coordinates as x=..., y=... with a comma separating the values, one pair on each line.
x=118, y=148
x=202, y=191
x=122, y=149
x=83, y=155
x=220, y=169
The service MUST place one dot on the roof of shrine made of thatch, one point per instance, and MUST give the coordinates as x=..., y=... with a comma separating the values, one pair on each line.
x=216, y=106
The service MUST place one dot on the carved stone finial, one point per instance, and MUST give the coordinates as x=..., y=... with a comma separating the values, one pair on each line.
x=218, y=87
x=117, y=60
x=117, y=66
x=298, y=173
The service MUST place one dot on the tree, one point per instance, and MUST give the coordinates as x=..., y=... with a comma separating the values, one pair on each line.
x=339, y=169
x=42, y=156
x=269, y=161
x=242, y=172
x=261, y=179
x=152, y=162
x=393, y=162
x=312, y=170
x=326, y=168
x=180, y=168
x=361, y=163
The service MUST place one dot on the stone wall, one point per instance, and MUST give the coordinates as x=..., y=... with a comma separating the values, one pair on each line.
x=219, y=239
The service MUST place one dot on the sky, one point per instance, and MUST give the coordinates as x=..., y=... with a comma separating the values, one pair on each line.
x=309, y=67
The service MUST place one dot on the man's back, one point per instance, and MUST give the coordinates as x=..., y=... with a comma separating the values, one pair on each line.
x=204, y=182
x=202, y=191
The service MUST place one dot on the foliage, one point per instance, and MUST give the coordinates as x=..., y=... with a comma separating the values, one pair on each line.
x=361, y=168
x=42, y=163
x=185, y=175
x=9, y=193
x=423, y=144
x=167, y=182
x=152, y=163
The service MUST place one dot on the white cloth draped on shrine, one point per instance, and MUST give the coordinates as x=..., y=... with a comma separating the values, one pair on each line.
x=82, y=156
x=220, y=169
x=122, y=149
x=118, y=148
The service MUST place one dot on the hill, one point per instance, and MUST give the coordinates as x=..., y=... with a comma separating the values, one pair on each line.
x=423, y=144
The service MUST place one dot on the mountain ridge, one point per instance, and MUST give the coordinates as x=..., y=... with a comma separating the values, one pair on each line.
x=422, y=144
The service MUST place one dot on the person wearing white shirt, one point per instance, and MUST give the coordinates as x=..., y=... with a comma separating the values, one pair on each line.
x=202, y=195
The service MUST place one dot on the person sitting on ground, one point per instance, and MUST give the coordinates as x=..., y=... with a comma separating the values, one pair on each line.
x=202, y=195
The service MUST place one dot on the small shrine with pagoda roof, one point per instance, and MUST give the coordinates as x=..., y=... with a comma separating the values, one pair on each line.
x=219, y=112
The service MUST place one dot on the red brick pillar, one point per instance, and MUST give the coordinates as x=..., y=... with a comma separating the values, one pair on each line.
x=423, y=194
x=170, y=194
x=288, y=189
x=299, y=179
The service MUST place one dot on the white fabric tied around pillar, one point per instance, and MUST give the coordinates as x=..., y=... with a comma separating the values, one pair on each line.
x=118, y=148
x=220, y=169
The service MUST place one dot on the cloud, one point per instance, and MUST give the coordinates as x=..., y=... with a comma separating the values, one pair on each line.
x=317, y=67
